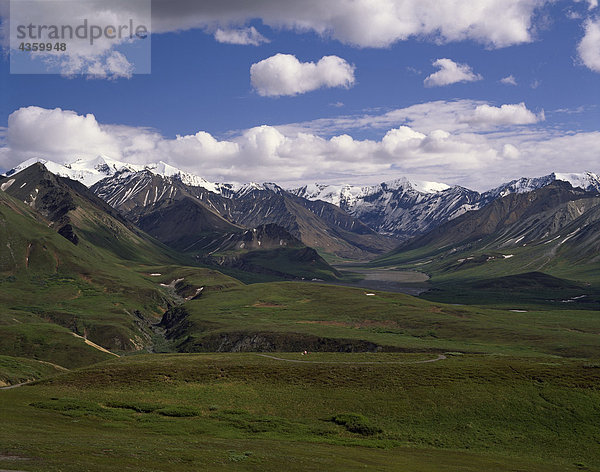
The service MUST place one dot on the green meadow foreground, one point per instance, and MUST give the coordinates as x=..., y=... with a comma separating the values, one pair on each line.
x=325, y=411
x=473, y=388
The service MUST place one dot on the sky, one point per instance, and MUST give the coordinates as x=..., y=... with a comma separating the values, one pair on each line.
x=467, y=92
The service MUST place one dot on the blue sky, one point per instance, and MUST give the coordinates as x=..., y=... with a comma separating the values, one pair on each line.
x=198, y=84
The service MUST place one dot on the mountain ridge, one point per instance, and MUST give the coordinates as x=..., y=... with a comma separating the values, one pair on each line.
x=398, y=209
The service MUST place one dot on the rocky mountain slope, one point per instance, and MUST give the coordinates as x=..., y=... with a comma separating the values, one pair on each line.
x=403, y=208
x=79, y=215
x=518, y=218
x=157, y=203
x=552, y=228
x=349, y=221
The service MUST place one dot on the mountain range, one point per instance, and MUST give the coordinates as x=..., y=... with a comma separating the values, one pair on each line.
x=529, y=246
x=402, y=208
x=349, y=221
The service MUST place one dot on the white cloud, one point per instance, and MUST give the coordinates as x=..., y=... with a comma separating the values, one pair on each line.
x=39, y=131
x=589, y=47
x=509, y=80
x=245, y=36
x=284, y=74
x=516, y=114
x=100, y=52
x=450, y=72
x=114, y=65
x=364, y=23
x=438, y=146
x=591, y=3
x=510, y=152
x=451, y=115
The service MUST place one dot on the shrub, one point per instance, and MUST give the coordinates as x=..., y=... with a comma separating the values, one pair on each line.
x=356, y=424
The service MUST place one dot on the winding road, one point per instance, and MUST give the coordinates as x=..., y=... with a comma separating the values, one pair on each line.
x=16, y=385
x=441, y=357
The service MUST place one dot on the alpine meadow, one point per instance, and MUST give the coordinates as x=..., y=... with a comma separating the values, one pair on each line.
x=301, y=236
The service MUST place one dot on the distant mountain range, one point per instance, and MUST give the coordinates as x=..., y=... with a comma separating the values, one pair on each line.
x=105, y=262
x=185, y=211
x=403, y=208
x=510, y=246
x=185, y=216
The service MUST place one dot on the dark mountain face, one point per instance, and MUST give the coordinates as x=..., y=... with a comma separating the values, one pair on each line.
x=267, y=249
x=180, y=223
x=155, y=204
x=530, y=215
x=51, y=195
x=75, y=213
x=263, y=237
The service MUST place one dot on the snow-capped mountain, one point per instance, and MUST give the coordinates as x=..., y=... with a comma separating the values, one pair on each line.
x=587, y=181
x=347, y=196
x=398, y=208
x=163, y=206
x=403, y=207
x=86, y=171
x=89, y=171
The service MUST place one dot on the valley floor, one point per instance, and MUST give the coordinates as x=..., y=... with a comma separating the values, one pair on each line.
x=388, y=279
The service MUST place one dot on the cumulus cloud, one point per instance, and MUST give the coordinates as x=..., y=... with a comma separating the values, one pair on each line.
x=284, y=74
x=516, y=114
x=509, y=80
x=450, y=72
x=591, y=3
x=589, y=47
x=444, y=146
x=244, y=36
x=374, y=23
x=33, y=130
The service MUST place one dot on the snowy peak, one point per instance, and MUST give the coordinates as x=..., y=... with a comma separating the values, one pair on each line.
x=91, y=170
x=165, y=170
x=418, y=185
x=348, y=196
x=86, y=171
x=243, y=190
x=587, y=181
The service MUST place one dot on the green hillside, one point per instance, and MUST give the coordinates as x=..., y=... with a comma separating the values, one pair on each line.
x=51, y=288
x=334, y=412
x=298, y=316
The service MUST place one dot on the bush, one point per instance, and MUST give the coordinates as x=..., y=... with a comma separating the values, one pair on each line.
x=135, y=406
x=178, y=411
x=356, y=424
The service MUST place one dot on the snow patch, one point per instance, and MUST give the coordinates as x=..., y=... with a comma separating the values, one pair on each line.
x=7, y=184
